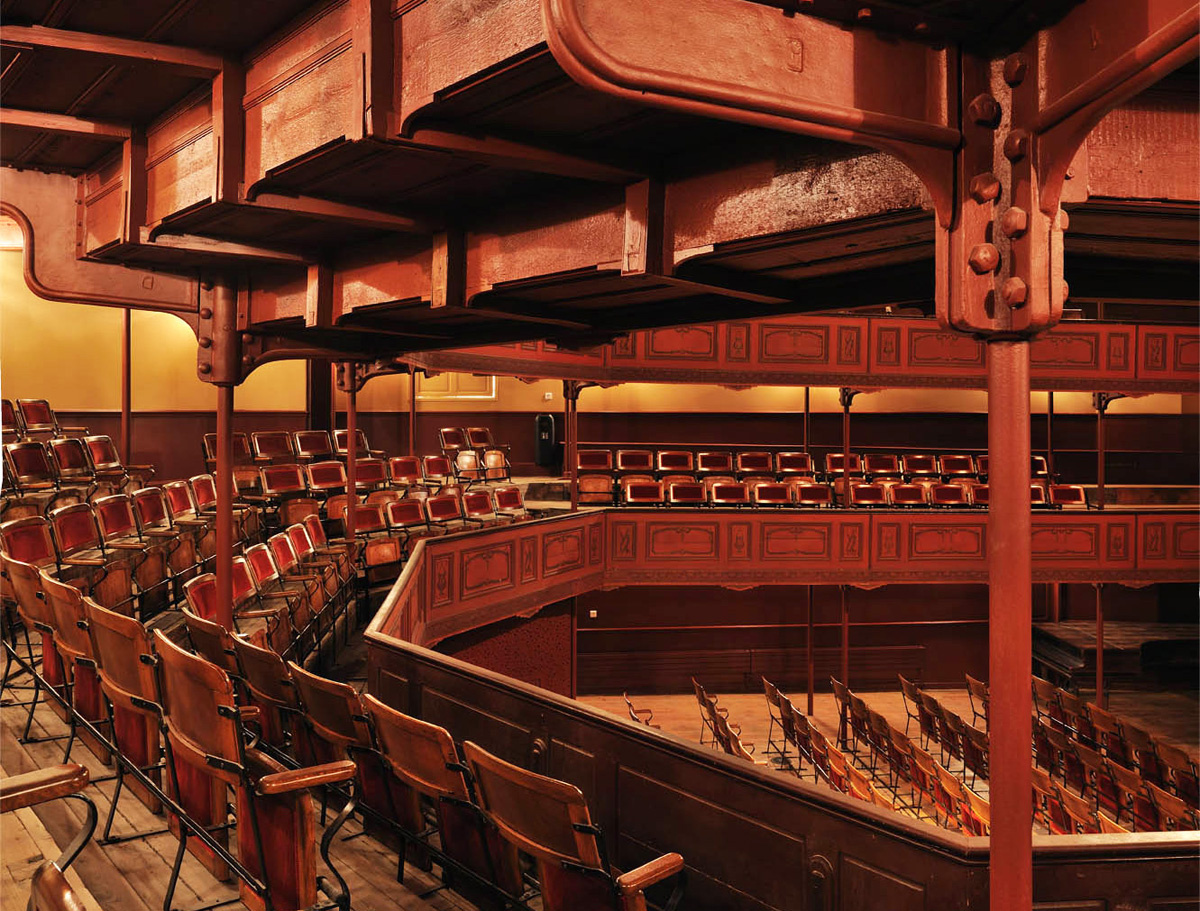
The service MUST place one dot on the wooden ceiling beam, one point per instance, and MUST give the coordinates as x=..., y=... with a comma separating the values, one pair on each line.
x=520, y=156
x=188, y=61
x=64, y=123
x=345, y=213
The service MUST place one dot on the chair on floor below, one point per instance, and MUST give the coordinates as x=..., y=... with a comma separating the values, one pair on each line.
x=549, y=820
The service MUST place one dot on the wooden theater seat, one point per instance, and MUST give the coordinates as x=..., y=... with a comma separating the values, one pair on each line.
x=686, y=493
x=39, y=419
x=312, y=445
x=813, y=495
x=749, y=464
x=950, y=495
x=423, y=757
x=634, y=461
x=714, y=463
x=727, y=492
x=794, y=465
x=641, y=492
x=275, y=832
x=479, y=507
x=1067, y=496
x=12, y=427
x=49, y=889
x=452, y=440
x=878, y=465
x=363, y=450
x=910, y=495
x=549, y=820
x=771, y=493
x=674, y=461
x=510, y=502
x=957, y=467
x=918, y=467
x=869, y=495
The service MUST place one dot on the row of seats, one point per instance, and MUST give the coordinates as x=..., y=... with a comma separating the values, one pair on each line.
x=39, y=475
x=32, y=419
x=238, y=715
x=274, y=446
x=726, y=491
x=170, y=722
x=1113, y=763
x=781, y=465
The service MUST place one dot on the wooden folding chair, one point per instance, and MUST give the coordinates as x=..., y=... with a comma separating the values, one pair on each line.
x=549, y=820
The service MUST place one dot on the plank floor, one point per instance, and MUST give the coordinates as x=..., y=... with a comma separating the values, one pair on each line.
x=133, y=875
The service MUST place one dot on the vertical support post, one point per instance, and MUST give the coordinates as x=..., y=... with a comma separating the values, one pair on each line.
x=571, y=390
x=807, y=414
x=412, y=410
x=1100, y=400
x=1054, y=588
x=1050, y=433
x=127, y=386
x=847, y=397
x=224, y=481
x=809, y=645
x=845, y=638
x=1010, y=627
x=1100, y=698
x=351, y=450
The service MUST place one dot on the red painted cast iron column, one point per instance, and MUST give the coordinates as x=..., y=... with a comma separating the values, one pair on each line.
x=127, y=387
x=225, y=505
x=1010, y=578
x=1099, y=644
x=812, y=673
x=351, y=451
x=845, y=638
x=412, y=410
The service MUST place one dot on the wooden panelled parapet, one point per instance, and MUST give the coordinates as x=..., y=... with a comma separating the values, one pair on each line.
x=848, y=351
x=460, y=582
x=783, y=840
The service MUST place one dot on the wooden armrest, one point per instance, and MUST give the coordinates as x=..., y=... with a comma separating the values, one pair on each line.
x=252, y=614
x=84, y=561
x=41, y=785
x=646, y=875
x=160, y=532
x=309, y=777
x=249, y=712
x=140, y=468
x=194, y=523
x=125, y=545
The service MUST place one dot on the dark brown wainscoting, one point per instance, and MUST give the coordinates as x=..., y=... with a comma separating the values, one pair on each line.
x=755, y=839
x=1143, y=449
x=655, y=639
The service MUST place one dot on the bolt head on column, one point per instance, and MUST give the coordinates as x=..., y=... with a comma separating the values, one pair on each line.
x=1016, y=145
x=984, y=111
x=1014, y=292
x=1015, y=68
x=984, y=258
x=985, y=188
x=1014, y=222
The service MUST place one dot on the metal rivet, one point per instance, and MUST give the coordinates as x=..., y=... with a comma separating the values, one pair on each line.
x=1016, y=145
x=984, y=111
x=247, y=359
x=921, y=28
x=1015, y=68
x=984, y=258
x=1014, y=292
x=205, y=342
x=1014, y=222
x=1064, y=220
x=205, y=313
x=247, y=338
x=205, y=368
x=1066, y=290
x=864, y=13
x=984, y=188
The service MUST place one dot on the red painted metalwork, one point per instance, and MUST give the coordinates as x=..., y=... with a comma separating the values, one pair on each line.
x=1010, y=575
x=412, y=410
x=127, y=386
x=351, y=451
x=845, y=643
x=225, y=494
x=810, y=659
x=1100, y=695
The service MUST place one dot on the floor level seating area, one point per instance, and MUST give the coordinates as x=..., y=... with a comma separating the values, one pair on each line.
x=1093, y=771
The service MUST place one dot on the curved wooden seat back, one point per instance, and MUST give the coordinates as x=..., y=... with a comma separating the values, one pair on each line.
x=50, y=891
x=75, y=530
x=338, y=722
x=71, y=460
x=422, y=756
x=333, y=710
x=266, y=677
x=121, y=648
x=542, y=816
x=29, y=540
x=74, y=647
x=212, y=641
x=25, y=581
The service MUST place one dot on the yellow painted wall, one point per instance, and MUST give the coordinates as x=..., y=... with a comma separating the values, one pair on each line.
x=71, y=355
